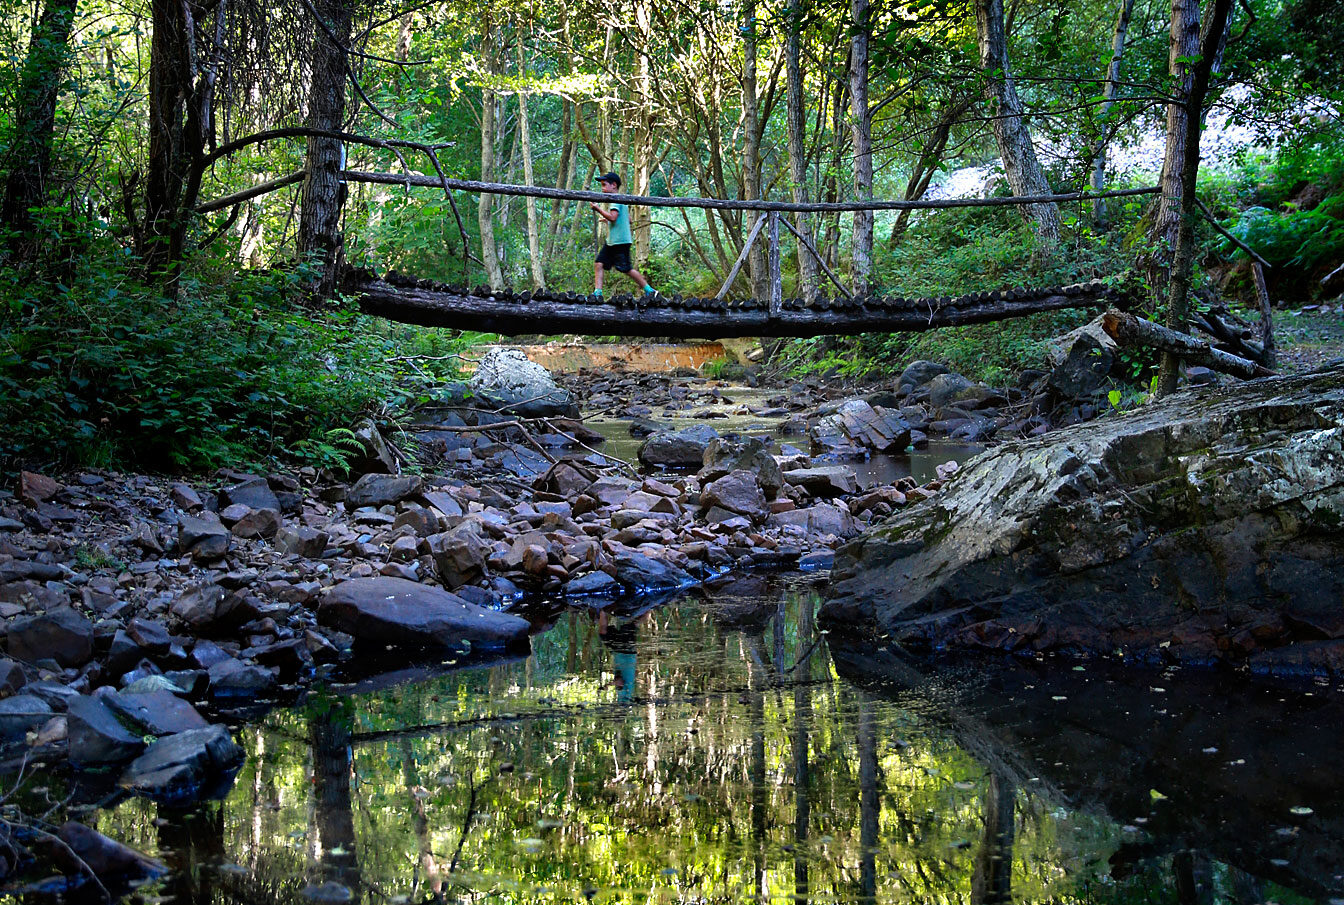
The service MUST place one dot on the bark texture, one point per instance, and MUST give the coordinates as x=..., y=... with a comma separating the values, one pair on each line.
x=1099, y=215
x=1020, y=165
x=861, y=128
x=323, y=189
x=807, y=267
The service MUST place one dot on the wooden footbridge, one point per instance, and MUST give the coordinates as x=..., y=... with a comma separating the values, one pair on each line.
x=415, y=301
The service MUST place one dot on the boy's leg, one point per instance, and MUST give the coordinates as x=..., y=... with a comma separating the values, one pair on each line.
x=639, y=279
x=597, y=277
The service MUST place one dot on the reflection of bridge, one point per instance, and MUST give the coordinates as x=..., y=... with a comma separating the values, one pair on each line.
x=414, y=301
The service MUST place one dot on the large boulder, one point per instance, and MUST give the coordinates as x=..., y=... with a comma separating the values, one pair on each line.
x=678, y=449
x=179, y=768
x=381, y=489
x=859, y=423
x=724, y=456
x=60, y=634
x=1084, y=370
x=918, y=373
x=737, y=491
x=508, y=379
x=97, y=736
x=394, y=611
x=1207, y=527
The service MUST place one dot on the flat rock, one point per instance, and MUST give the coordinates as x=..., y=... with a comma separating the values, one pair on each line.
x=60, y=634
x=204, y=539
x=106, y=857
x=96, y=736
x=254, y=493
x=176, y=769
x=678, y=449
x=299, y=540
x=20, y=713
x=154, y=712
x=643, y=574
x=393, y=611
x=823, y=480
x=382, y=489
x=232, y=678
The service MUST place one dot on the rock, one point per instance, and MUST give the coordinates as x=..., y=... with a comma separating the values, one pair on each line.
x=106, y=857
x=375, y=456
x=154, y=712
x=393, y=611
x=257, y=523
x=254, y=493
x=946, y=389
x=918, y=373
x=198, y=607
x=60, y=634
x=724, y=456
x=593, y=584
x=96, y=736
x=178, y=768
x=825, y=480
x=643, y=574
x=459, y=554
x=1224, y=502
x=186, y=498
x=509, y=380
x=20, y=713
x=860, y=423
x=36, y=488
x=1059, y=348
x=204, y=540
x=232, y=678
x=1084, y=371
x=381, y=489
x=301, y=541
x=678, y=449
x=12, y=677
x=737, y=492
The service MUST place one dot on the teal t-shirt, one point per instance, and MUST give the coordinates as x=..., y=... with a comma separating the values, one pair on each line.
x=620, y=230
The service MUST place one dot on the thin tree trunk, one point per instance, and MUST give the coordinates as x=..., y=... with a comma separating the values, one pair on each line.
x=861, y=126
x=751, y=147
x=922, y=174
x=1010, y=131
x=35, y=122
x=323, y=190
x=1112, y=87
x=484, y=207
x=807, y=267
x=171, y=69
x=533, y=227
x=564, y=178
x=1184, y=47
x=1209, y=51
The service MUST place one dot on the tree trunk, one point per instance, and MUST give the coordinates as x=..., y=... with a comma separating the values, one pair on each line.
x=1184, y=47
x=320, y=239
x=171, y=70
x=929, y=157
x=807, y=267
x=533, y=227
x=564, y=178
x=751, y=148
x=1112, y=87
x=484, y=207
x=1010, y=131
x=35, y=123
x=1208, y=49
x=861, y=126
x=642, y=135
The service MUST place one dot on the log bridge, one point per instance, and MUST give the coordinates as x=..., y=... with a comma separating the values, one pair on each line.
x=416, y=301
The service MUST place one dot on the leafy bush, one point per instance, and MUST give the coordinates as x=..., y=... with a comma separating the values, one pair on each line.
x=99, y=370
x=1296, y=238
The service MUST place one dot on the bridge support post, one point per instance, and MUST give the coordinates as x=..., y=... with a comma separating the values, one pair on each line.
x=776, y=277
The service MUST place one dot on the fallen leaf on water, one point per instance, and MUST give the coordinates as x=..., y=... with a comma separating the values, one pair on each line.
x=1301, y=811
x=1156, y=795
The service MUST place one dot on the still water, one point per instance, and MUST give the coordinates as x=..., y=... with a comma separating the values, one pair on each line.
x=712, y=749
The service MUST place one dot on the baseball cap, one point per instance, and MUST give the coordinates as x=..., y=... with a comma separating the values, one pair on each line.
x=610, y=177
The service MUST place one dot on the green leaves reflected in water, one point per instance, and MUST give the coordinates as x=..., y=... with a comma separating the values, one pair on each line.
x=669, y=758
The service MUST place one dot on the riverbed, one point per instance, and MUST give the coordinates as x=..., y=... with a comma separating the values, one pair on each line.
x=710, y=748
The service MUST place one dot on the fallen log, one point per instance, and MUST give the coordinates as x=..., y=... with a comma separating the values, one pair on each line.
x=1128, y=330
x=512, y=315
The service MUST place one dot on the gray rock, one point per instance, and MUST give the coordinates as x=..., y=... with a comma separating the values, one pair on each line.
x=107, y=858
x=198, y=607
x=918, y=373
x=393, y=611
x=1203, y=527
x=254, y=493
x=678, y=449
x=865, y=426
x=232, y=678
x=375, y=455
x=205, y=540
x=946, y=389
x=154, y=712
x=176, y=769
x=823, y=480
x=459, y=554
x=61, y=634
x=301, y=541
x=381, y=489
x=257, y=523
x=1084, y=370
x=724, y=456
x=20, y=713
x=593, y=584
x=737, y=492
x=97, y=736
x=12, y=677
x=643, y=574
x=508, y=379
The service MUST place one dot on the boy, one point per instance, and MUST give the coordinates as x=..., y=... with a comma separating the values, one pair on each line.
x=615, y=254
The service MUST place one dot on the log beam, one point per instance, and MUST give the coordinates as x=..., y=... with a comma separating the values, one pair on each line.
x=1128, y=330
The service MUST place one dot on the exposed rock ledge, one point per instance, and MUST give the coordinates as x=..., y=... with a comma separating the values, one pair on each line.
x=1208, y=527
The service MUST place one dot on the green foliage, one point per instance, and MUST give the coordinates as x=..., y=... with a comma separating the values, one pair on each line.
x=97, y=369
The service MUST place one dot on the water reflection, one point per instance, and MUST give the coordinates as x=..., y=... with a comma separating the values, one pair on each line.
x=712, y=752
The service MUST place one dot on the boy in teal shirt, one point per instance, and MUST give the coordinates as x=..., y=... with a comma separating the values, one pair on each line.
x=615, y=254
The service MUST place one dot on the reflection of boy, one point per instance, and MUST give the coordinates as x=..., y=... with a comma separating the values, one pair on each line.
x=622, y=640
x=615, y=254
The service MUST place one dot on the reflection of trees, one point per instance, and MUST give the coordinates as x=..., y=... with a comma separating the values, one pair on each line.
x=993, y=879
x=869, y=807
x=329, y=729
x=802, y=780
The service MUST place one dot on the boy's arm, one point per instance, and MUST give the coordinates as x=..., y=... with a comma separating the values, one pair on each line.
x=609, y=216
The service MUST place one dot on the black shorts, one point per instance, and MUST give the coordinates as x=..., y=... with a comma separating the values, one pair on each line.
x=615, y=257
